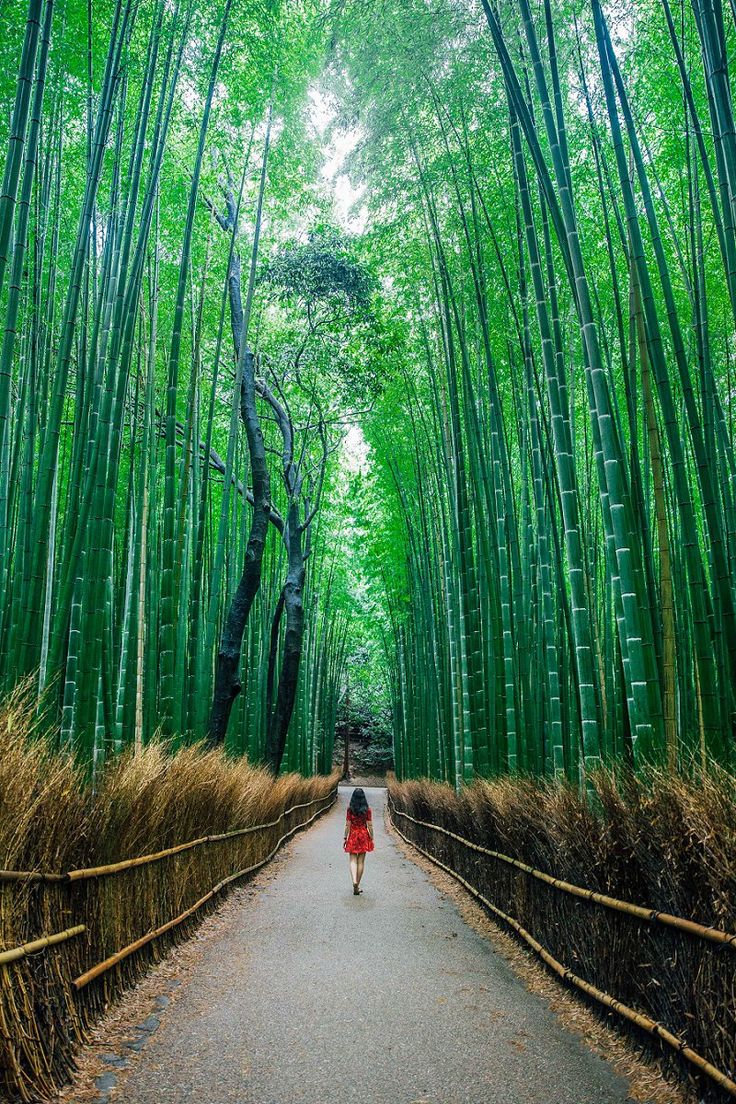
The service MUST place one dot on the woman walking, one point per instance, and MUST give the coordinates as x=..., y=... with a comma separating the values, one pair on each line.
x=358, y=835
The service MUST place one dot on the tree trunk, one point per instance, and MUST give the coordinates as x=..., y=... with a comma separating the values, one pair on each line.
x=346, y=759
x=227, y=671
x=273, y=652
x=289, y=675
x=227, y=676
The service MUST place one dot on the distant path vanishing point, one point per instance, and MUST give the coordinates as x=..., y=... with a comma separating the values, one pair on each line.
x=318, y=996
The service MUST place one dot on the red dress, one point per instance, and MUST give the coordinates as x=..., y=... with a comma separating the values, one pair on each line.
x=359, y=840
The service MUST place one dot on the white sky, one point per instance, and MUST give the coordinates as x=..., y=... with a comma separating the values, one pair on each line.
x=349, y=210
x=355, y=450
x=351, y=214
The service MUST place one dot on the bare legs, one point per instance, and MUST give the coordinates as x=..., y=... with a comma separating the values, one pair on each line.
x=357, y=866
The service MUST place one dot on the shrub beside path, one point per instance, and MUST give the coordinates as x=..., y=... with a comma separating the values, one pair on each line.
x=386, y=998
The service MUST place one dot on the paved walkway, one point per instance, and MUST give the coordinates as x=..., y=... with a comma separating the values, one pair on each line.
x=387, y=998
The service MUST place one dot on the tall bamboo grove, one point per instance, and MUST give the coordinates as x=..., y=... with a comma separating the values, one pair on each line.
x=124, y=479
x=558, y=458
x=549, y=202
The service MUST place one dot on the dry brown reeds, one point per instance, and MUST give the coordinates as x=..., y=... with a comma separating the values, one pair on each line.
x=661, y=842
x=50, y=822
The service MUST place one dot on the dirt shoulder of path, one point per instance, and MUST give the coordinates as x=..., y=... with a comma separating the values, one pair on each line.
x=647, y=1085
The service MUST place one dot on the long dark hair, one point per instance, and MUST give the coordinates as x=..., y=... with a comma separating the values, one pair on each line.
x=358, y=802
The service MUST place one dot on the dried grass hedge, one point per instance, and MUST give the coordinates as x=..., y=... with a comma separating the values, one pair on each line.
x=49, y=821
x=663, y=842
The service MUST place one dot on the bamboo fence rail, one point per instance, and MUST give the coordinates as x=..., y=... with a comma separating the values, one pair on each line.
x=650, y=915
x=143, y=860
x=36, y=945
x=643, y=1022
x=103, y=967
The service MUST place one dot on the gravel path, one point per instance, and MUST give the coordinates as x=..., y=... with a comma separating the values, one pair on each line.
x=386, y=998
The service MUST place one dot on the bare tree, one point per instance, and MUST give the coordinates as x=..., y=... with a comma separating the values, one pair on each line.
x=227, y=672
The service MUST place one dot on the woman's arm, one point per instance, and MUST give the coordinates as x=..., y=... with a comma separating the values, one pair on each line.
x=347, y=830
x=369, y=823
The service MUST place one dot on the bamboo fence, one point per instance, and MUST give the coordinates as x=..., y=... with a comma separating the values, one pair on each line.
x=701, y=954
x=54, y=985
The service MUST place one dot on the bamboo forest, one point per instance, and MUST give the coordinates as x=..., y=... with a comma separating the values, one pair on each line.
x=367, y=403
x=525, y=330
